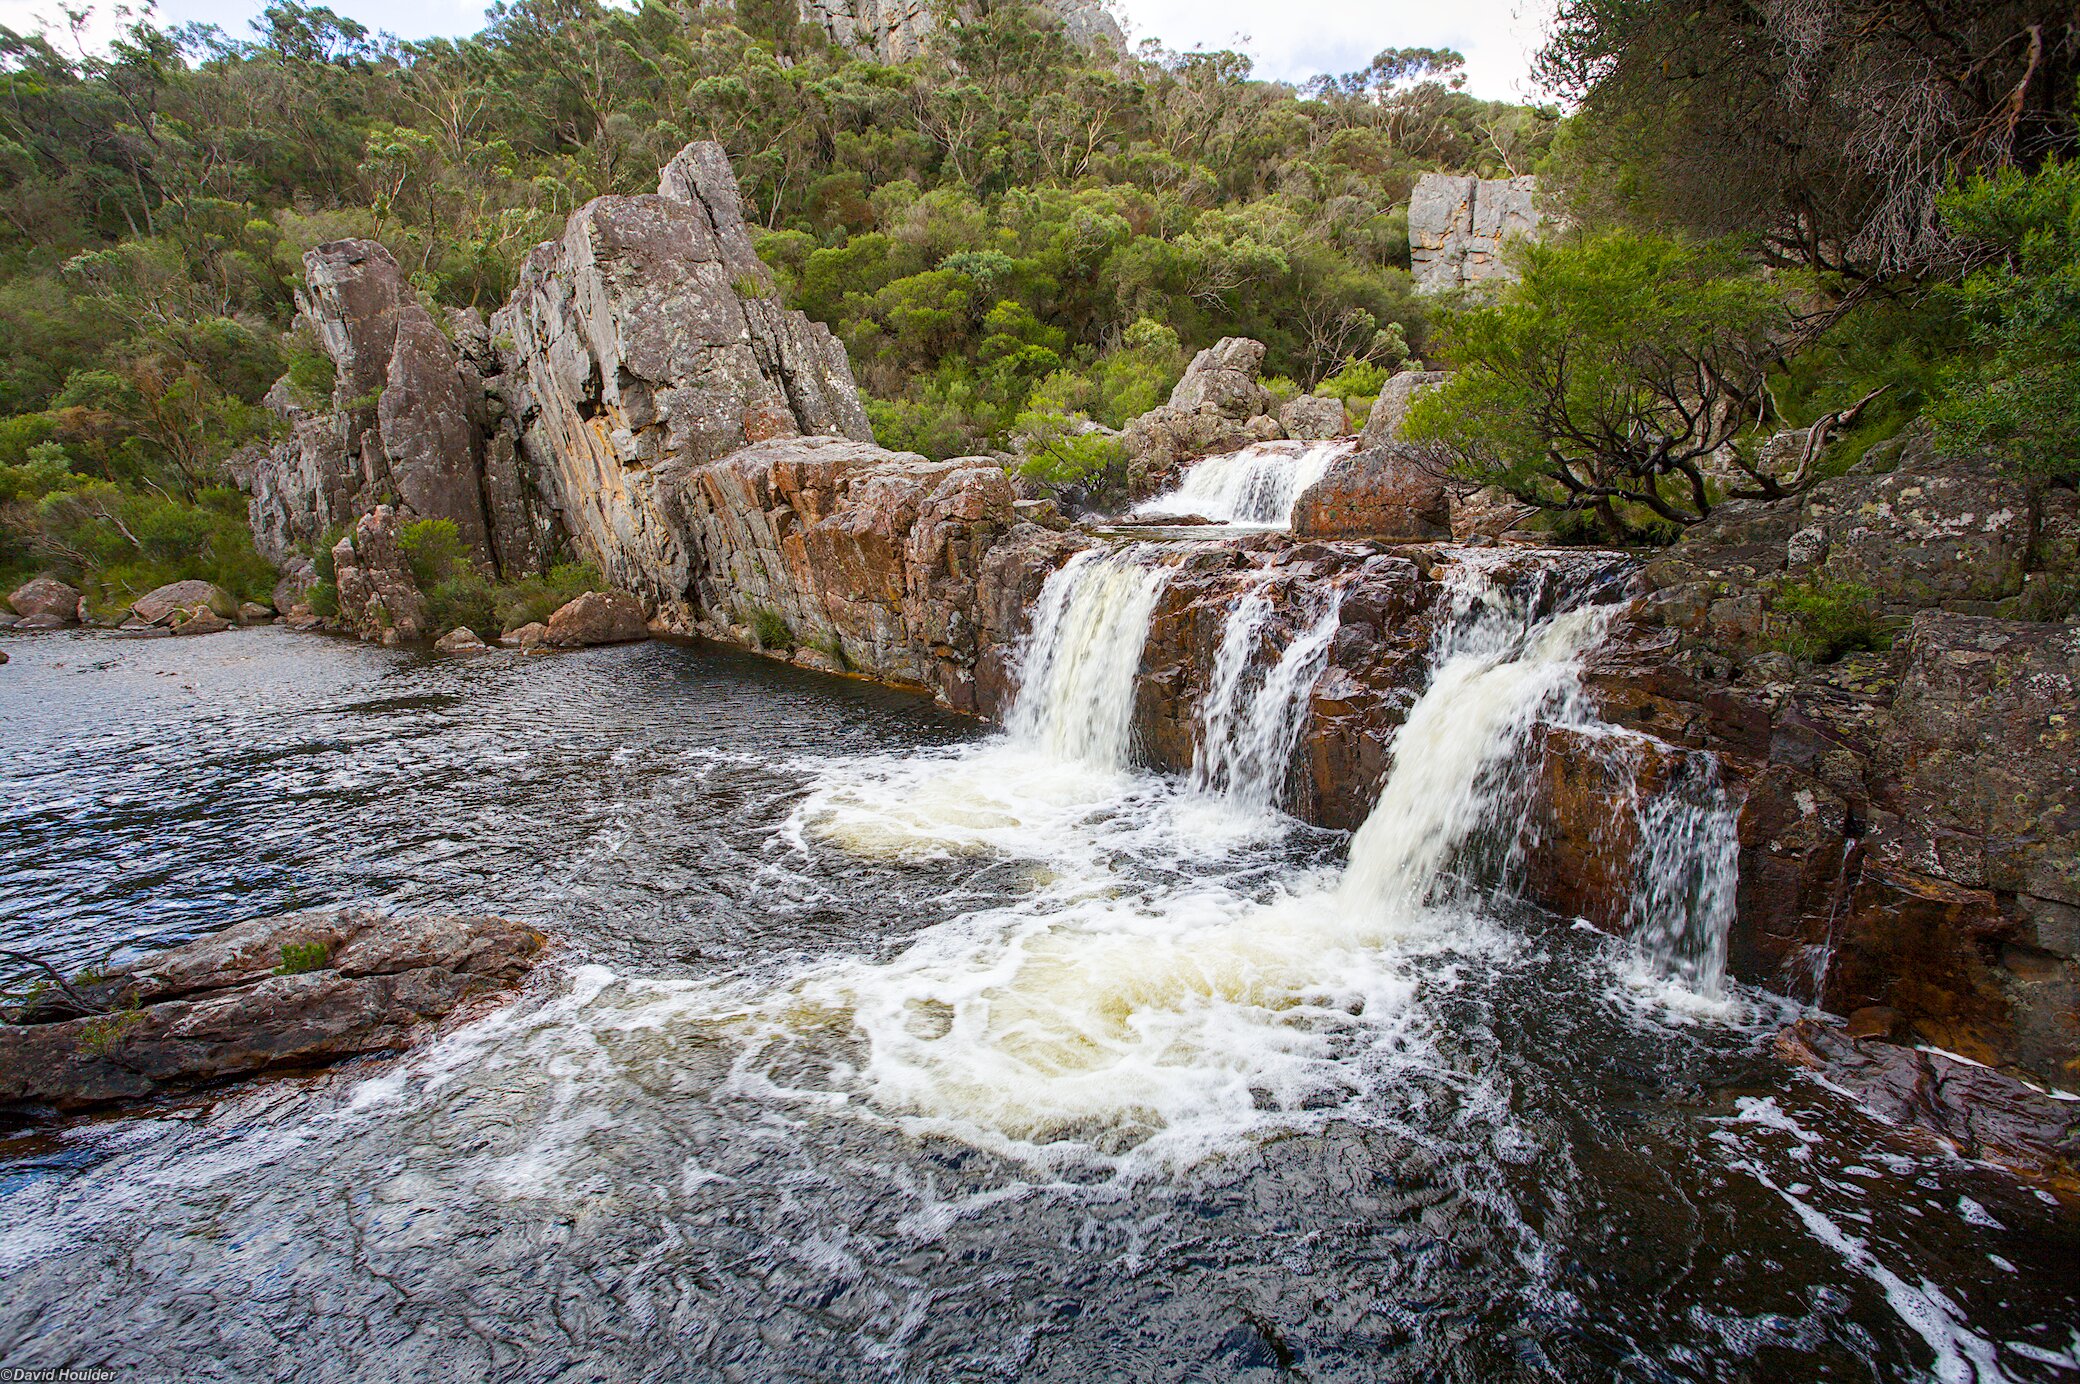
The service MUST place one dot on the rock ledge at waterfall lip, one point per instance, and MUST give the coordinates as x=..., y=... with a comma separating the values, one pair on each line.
x=1932, y=1097
x=292, y=991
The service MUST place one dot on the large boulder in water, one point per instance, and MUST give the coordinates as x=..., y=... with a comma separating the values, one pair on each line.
x=1314, y=418
x=159, y=605
x=46, y=599
x=273, y=993
x=597, y=617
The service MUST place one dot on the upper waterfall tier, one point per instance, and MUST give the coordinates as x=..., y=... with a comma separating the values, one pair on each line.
x=1257, y=486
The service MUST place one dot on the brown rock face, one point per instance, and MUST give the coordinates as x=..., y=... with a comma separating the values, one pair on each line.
x=378, y=598
x=878, y=560
x=1388, y=493
x=45, y=597
x=223, y=1006
x=646, y=345
x=597, y=617
x=1975, y=1112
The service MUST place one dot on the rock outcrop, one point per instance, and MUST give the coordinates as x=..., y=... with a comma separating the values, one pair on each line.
x=1314, y=418
x=1908, y=831
x=898, y=30
x=1390, y=410
x=408, y=424
x=274, y=993
x=379, y=600
x=646, y=343
x=1218, y=406
x=1457, y=226
x=845, y=556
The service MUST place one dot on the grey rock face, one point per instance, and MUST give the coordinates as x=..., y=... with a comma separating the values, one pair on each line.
x=1314, y=418
x=407, y=423
x=1390, y=410
x=1458, y=224
x=643, y=347
x=1218, y=406
x=897, y=30
x=378, y=599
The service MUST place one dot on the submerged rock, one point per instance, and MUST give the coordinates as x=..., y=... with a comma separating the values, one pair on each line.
x=532, y=635
x=200, y=620
x=45, y=598
x=263, y=995
x=1972, y=1110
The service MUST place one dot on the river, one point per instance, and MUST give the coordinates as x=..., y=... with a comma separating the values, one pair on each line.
x=880, y=1044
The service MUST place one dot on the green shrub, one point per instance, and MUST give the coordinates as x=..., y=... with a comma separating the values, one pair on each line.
x=301, y=957
x=433, y=549
x=1819, y=621
x=533, y=600
x=105, y=1033
x=463, y=600
x=323, y=599
x=769, y=627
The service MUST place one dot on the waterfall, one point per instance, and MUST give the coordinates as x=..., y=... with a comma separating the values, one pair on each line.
x=1247, y=734
x=1685, y=868
x=1498, y=671
x=1076, y=696
x=1460, y=768
x=1258, y=485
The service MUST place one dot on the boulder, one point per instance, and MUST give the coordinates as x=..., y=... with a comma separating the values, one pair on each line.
x=45, y=597
x=1314, y=418
x=161, y=604
x=1390, y=410
x=378, y=598
x=30, y=623
x=1218, y=406
x=253, y=613
x=1458, y=225
x=1389, y=493
x=199, y=620
x=460, y=641
x=273, y=993
x=597, y=617
x=532, y=635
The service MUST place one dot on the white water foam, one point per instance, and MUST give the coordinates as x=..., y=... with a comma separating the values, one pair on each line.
x=1248, y=730
x=1257, y=486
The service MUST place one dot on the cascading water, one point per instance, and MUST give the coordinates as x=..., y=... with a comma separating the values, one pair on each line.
x=1076, y=696
x=1258, y=485
x=1247, y=732
x=1685, y=869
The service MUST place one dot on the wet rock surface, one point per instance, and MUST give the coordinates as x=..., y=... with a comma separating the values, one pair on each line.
x=268, y=994
x=597, y=617
x=1975, y=1112
x=1218, y=406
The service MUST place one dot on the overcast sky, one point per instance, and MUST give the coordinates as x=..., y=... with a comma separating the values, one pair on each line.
x=1290, y=39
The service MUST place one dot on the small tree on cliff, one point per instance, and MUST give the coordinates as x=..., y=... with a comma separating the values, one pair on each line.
x=1617, y=379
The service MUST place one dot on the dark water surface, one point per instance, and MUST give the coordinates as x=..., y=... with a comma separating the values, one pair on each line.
x=620, y=1177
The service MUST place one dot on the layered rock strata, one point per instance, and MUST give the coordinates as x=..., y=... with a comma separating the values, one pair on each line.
x=409, y=424
x=274, y=993
x=898, y=30
x=646, y=344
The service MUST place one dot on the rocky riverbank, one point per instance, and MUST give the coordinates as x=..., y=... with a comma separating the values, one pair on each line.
x=1906, y=812
x=266, y=995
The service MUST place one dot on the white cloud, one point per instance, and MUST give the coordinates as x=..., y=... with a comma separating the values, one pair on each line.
x=1294, y=39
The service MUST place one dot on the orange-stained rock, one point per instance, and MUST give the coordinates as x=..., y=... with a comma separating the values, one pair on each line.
x=1388, y=492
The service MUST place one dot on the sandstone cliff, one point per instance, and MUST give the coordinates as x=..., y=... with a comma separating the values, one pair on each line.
x=898, y=30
